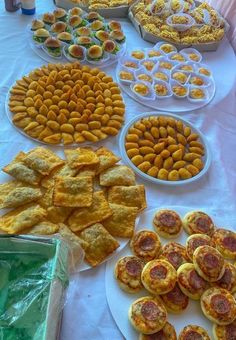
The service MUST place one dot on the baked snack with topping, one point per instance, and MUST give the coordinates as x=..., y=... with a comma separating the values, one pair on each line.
x=198, y=222
x=219, y=306
x=153, y=53
x=174, y=253
x=193, y=332
x=175, y=301
x=179, y=91
x=197, y=93
x=225, y=241
x=224, y=332
x=131, y=64
x=161, y=90
x=146, y=245
x=166, y=333
x=148, y=64
x=125, y=75
x=167, y=223
x=138, y=54
x=159, y=276
x=128, y=273
x=161, y=75
x=148, y=314
x=141, y=89
x=228, y=280
x=144, y=77
x=167, y=48
x=196, y=240
x=198, y=81
x=180, y=77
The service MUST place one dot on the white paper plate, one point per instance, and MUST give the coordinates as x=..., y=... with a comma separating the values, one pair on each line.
x=206, y=158
x=119, y=301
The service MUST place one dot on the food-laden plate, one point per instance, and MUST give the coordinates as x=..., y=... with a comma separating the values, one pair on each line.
x=155, y=147
x=191, y=315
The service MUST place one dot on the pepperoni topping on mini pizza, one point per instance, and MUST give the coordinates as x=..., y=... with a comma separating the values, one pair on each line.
x=197, y=242
x=225, y=281
x=150, y=311
x=156, y=336
x=230, y=331
x=192, y=335
x=220, y=304
x=196, y=281
x=177, y=296
x=133, y=267
x=229, y=242
x=158, y=272
x=203, y=223
x=211, y=261
x=167, y=219
x=147, y=243
x=175, y=259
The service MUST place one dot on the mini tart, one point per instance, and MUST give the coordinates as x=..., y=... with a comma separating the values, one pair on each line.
x=180, y=77
x=175, y=301
x=160, y=75
x=131, y=64
x=154, y=53
x=209, y=263
x=166, y=333
x=192, y=332
x=190, y=282
x=198, y=81
x=197, y=222
x=196, y=240
x=138, y=55
x=228, y=280
x=144, y=77
x=204, y=71
x=227, y=332
x=178, y=57
x=161, y=89
x=148, y=65
x=179, y=90
x=146, y=245
x=165, y=64
x=159, y=277
x=167, y=48
x=126, y=75
x=196, y=94
x=225, y=241
x=188, y=68
x=141, y=89
x=128, y=273
x=219, y=306
x=147, y=314
x=174, y=253
x=167, y=223
x=193, y=56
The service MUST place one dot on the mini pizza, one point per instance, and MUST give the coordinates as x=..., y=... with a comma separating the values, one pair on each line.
x=166, y=333
x=197, y=222
x=146, y=245
x=209, y=263
x=228, y=280
x=219, y=306
x=227, y=332
x=193, y=332
x=225, y=241
x=194, y=241
x=175, y=301
x=174, y=253
x=159, y=277
x=148, y=314
x=167, y=223
x=190, y=282
x=128, y=273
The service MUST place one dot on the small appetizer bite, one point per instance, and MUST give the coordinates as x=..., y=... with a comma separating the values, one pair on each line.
x=166, y=65
x=161, y=90
x=141, y=89
x=204, y=71
x=180, y=91
x=174, y=253
x=225, y=242
x=59, y=27
x=65, y=37
x=219, y=306
x=49, y=18
x=148, y=314
x=209, y=263
x=154, y=54
x=40, y=35
x=196, y=240
x=149, y=65
x=118, y=36
x=198, y=81
x=131, y=64
x=180, y=77
x=114, y=25
x=144, y=77
x=76, y=11
x=146, y=245
x=110, y=46
x=167, y=223
x=228, y=280
x=97, y=25
x=179, y=19
x=95, y=53
x=85, y=41
x=75, y=21
x=101, y=36
x=226, y=332
x=125, y=75
x=190, y=282
x=93, y=16
x=197, y=94
x=161, y=76
x=53, y=47
x=60, y=14
x=128, y=273
x=138, y=54
x=159, y=277
x=37, y=24
x=194, y=57
x=83, y=32
x=166, y=333
x=167, y=48
x=188, y=68
x=178, y=57
x=193, y=332
x=175, y=301
x=198, y=222
x=76, y=51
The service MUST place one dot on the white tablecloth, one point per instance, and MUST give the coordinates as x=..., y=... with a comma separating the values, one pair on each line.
x=86, y=314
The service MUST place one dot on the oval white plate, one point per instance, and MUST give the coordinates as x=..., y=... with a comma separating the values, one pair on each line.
x=206, y=158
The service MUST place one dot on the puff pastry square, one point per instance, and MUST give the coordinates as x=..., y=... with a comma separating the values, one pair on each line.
x=72, y=238
x=43, y=228
x=22, y=218
x=101, y=244
x=132, y=196
x=106, y=158
x=42, y=160
x=73, y=191
x=87, y=170
x=117, y=175
x=81, y=156
x=21, y=171
x=63, y=171
x=97, y=212
x=14, y=194
x=122, y=221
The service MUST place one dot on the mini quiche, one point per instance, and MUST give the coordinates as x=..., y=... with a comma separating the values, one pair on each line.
x=141, y=89
x=167, y=223
x=166, y=65
x=145, y=77
x=167, y=48
x=190, y=282
x=175, y=301
x=188, y=68
x=198, y=81
x=148, y=64
x=131, y=64
x=225, y=241
x=198, y=222
x=179, y=91
x=193, y=332
x=138, y=55
x=174, y=253
x=204, y=71
x=146, y=245
x=209, y=263
x=197, y=94
x=154, y=54
x=180, y=77
x=226, y=332
x=161, y=90
x=219, y=306
x=159, y=277
x=148, y=314
x=167, y=332
x=196, y=240
x=128, y=273
x=178, y=57
x=125, y=75
x=194, y=57
x=161, y=76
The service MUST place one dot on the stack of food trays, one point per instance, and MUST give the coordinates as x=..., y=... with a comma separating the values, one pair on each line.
x=77, y=36
x=163, y=74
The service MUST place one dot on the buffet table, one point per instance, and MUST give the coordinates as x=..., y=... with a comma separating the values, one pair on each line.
x=86, y=314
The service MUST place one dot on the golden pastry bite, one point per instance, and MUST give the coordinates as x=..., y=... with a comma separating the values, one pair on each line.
x=175, y=301
x=167, y=48
x=145, y=77
x=130, y=196
x=228, y=280
x=174, y=253
x=73, y=192
x=128, y=274
x=63, y=171
x=154, y=54
x=180, y=77
x=125, y=75
x=117, y=175
x=121, y=223
x=106, y=159
x=166, y=333
x=22, y=218
x=166, y=65
x=193, y=332
x=131, y=64
x=167, y=223
x=141, y=89
x=198, y=222
x=179, y=91
x=178, y=57
x=224, y=332
x=197, y=93
x=161, y=90
x=146, y=245
x=219, y=306
x=161, y=75
x=48, y=18
x=79, y=157
x=42, y=228
x=138, y=54
x=72, y=238
x=148, y=64
x=159, y=277
x=204, y=71
x=225, y=242
x=147, y=314
x=190, y=282
x=196, y=240
x=209, y=263
x=194, y=57
x=188, y=68
x=101, y=244
x=198, y=81
x=98, y=211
